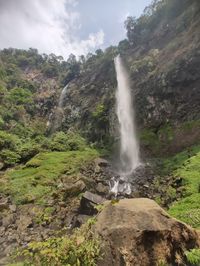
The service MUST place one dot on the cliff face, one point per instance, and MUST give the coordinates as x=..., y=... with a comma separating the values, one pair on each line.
x=164, y=69
x=164, y=72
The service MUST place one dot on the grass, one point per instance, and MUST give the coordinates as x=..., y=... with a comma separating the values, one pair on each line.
x=176, y=162
x=35, y=181
x=187, y=209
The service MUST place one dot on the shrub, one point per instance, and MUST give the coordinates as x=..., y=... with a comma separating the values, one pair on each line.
x=8, y=141
x=19, y=96
x=29, y=149
x=9, y=145
x=67, y=142
x=3, y=92
x=9, y=157
x=50, y=71
x=99, y=124
x=20, y=130
x=60, y=142
x=76, y=142
x=193, y=256
x=81, y=248
x=1, y=122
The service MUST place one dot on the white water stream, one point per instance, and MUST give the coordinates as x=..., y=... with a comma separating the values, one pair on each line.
x=62, y=97
x=129, y=148
x=56, y=122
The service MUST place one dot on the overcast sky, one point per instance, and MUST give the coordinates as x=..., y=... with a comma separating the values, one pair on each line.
x=65, y=26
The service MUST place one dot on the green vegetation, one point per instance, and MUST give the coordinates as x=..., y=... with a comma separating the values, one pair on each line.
x=150, y=140
x=82, y=248
x=21, y=124
x=173, y=164
x=37, y=180
x=187, y=166
x=139, y=30
x=100, y=123
x=160, y=139
x=15, y=149
x=162, y=263
x=25, y=106
x=69, y=141
x=145, y=65
x=193, y=257
x=18, y=96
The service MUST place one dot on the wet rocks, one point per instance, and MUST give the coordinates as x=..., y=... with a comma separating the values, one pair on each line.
x=102, y=189
x=96, y=176
x=73, y=189
x=88, y=203
x=100, y=163
x=81, y=219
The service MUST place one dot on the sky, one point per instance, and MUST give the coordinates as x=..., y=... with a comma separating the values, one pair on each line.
x=63, y=27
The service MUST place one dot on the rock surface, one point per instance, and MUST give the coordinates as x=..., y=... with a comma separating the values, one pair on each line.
x=139, y=232
x=89, y=201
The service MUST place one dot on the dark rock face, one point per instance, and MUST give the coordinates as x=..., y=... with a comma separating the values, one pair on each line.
x=88, y=203
x=139, y=232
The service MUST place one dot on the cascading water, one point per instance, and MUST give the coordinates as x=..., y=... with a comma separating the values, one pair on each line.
x=129, y=148
x=62, y=97
x=55, y=122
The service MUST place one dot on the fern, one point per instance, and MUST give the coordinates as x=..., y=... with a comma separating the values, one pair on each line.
x=193, y=256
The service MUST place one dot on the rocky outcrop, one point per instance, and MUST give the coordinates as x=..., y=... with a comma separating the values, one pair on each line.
x=140, y=233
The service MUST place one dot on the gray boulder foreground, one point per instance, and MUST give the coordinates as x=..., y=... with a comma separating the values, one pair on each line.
x=139, y=232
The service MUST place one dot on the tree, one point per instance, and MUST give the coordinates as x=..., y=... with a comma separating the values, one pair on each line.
x=123, y=45
x=130, y=24
x=71, y=59
x=99, y=52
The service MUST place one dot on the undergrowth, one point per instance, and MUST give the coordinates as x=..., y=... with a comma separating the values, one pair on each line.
x=193, y=257
x=82, y=248
x=35, y=181
x=187, y=166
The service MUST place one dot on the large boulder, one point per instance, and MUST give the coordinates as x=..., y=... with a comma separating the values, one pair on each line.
x=140, y=233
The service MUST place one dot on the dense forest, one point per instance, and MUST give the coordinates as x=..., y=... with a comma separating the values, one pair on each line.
x=50, y=154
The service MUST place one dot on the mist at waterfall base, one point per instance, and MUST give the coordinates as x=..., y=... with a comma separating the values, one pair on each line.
x=129, y=147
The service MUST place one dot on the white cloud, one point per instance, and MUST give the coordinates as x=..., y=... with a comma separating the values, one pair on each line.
x=51, y=26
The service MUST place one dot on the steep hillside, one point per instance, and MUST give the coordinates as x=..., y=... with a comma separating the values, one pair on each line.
x=164, y=69
x=30, y=86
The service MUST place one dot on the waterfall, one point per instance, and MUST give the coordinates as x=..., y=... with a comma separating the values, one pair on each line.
x=55, y=120
x=129, y=148
x=62, y=97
